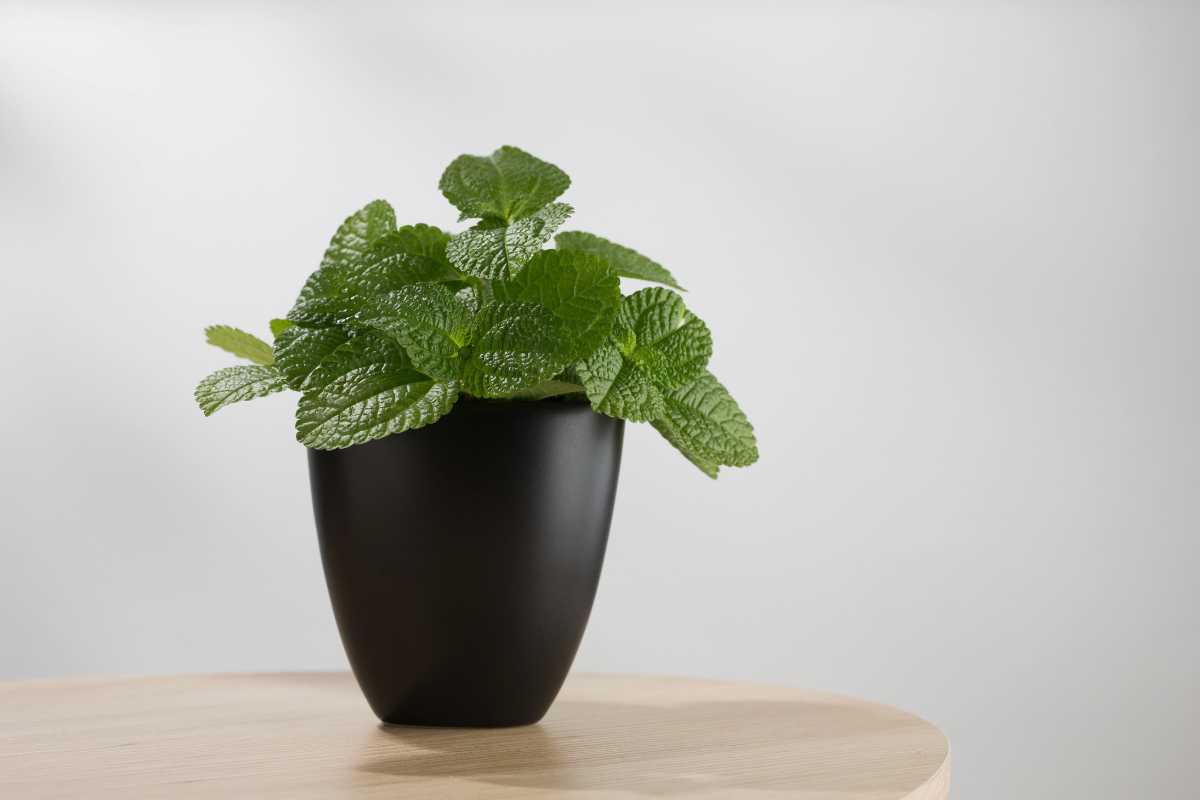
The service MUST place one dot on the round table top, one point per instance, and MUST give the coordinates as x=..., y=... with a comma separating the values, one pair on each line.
x=310, y=735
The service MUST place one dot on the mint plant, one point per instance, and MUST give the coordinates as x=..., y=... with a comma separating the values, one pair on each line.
x=397, y=323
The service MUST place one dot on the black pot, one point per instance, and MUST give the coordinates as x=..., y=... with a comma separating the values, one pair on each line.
x=462, y=558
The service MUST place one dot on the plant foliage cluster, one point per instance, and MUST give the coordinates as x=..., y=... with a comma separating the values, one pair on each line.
x=399, y=322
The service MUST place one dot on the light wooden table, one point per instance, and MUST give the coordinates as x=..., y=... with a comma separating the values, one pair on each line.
x=310, y=735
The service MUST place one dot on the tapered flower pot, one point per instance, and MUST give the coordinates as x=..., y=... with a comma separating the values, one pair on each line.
x=462, y=558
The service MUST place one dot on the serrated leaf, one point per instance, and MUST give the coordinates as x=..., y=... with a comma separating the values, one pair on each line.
x=429, y=321
x=507, y=185
x=411, y=254
x=322, y=311
x=669, y=342
x=350, y=242
x=424, y=240
x=705, y=423
x=578, y=288
x=705, y=465
x=624, y=261
x=368, y=390
x=360, y=349
x=495, y=251
x=514, y=346
x=618, y=387
x=656, y=345
x=239, y=343
x=358, y=232
x=299, y=350
x=233, y=384
x=370, y=404
x=278, y=326
x=318, y=303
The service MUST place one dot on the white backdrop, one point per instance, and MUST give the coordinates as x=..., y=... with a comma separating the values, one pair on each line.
x=949, y=256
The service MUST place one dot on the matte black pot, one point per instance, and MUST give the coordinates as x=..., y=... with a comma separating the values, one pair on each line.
x=462, y=558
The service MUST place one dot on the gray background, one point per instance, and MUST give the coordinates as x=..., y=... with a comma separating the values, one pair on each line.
x=949, y=255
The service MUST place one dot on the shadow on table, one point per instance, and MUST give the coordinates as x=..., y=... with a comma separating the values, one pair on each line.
x=668, y=750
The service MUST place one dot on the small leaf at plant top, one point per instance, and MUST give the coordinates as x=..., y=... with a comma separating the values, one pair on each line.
x=656, y=345
x=299, y=350
x=369, y=390
x=514, y=346
x=507, y=185
x=625, y=262
x=578, y=288
x=278, y=326
x=429, y=321
x=232, y=384
x=705, y=423
x=494, y=250
x=241, y=344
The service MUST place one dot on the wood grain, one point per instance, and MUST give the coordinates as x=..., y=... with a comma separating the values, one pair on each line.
x=310, y=735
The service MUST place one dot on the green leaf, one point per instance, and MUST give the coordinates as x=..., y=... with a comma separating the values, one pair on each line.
x=412, y=254
x=299, y=350
x=550, y=388
x=578, y=288
x=278, y=326
x=625, y=262
x=705, y=423
x=428, y=241
x=706, y=465
x=431, y=323
x=494, y=250
x=360, y=349
x=320, y=300
x=618, y=387
x=469, y=297
x=669, y=342
x=514, y=346
x=568, y=375
x=369, y=390
x=358, y=232
x=507, y=185
x=322, y=311
x=656, y=345
x=231, y=384
x=241, y=344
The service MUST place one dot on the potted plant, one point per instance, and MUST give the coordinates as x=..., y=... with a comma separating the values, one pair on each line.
x=462, y=558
